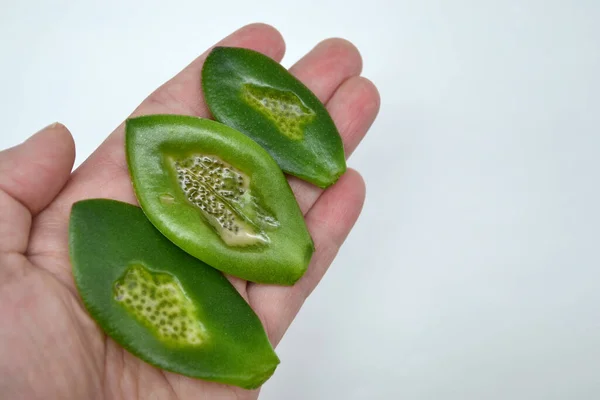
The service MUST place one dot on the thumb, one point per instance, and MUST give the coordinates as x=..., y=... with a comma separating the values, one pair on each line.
x=31, y=175
x=36, y=170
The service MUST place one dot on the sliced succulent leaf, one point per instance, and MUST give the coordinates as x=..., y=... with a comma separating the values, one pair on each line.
x=254, y=94
x=219, y=196
x=161, y=304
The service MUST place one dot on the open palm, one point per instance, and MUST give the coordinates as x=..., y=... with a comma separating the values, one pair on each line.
x=49, y=346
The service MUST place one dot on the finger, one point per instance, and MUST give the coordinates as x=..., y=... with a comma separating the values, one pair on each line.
x=31, y=175
x=329, y=222
x=327, y=66
x=182, y=94
x=353, y=107
x=34, y=171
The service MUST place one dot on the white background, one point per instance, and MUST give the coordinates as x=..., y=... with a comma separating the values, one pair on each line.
x=474, y=271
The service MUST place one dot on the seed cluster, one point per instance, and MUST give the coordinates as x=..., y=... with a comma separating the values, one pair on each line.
x=283, y=108
x=157, y=300
x=219, y=191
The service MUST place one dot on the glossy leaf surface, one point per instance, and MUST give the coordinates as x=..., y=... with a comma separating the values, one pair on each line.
x=161, y=304
x=219, y=196
x=254, y=94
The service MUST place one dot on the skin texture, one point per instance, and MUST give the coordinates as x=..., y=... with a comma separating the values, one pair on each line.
x=49, y=346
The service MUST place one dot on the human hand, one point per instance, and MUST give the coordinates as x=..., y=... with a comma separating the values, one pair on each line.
x=49, y=346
